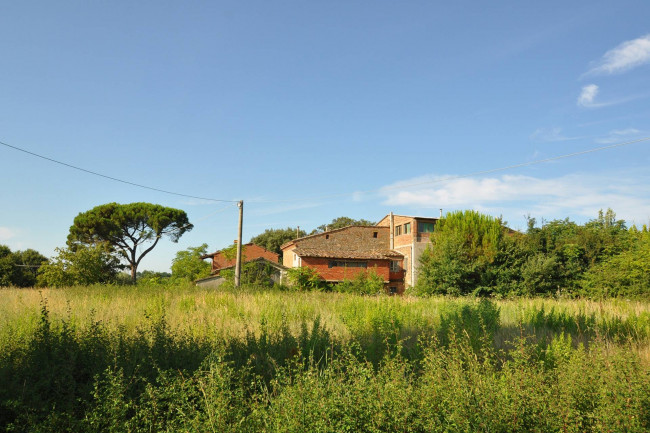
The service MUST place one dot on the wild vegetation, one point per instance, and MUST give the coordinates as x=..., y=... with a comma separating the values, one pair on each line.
x=104, y=358
x=471, y=253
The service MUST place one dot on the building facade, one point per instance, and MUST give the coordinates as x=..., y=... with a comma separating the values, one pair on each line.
x=409, y=236
x=341, y=254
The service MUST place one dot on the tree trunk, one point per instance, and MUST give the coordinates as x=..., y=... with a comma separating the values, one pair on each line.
x=133, y=276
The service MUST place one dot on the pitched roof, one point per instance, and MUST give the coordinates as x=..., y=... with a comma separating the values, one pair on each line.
x=343, y=254
x=351, y=242
x=328, y=232
x=250, y=252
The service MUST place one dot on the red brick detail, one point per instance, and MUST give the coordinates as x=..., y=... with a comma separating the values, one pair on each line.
x=249, y=252
x=396, y=276
x=340, y=273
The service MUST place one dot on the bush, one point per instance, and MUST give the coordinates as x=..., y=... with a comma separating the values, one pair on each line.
x=364, y=283
x=304, y=278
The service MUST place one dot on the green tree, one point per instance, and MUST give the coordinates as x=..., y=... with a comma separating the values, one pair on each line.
x=82, y=265
x=128, y=228
x=19, y=268
x=340, y=222
x=461, y=256
x=272, y=239
x=626, y=274
x=7, y=266
x=188, y=265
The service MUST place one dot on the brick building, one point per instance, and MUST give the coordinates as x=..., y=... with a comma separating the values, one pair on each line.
x=342, y=253
x=392, y=249
x=249, y=253
x=409, y=237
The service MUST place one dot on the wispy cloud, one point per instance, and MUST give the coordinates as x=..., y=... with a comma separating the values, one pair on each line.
x=618, y=135
x=546, y=135
x=626, y=56
x=588, y=95
x=6, y=233
x=575, y=196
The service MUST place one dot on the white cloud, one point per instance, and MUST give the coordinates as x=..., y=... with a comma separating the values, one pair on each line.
x=626, y=56
x=588, y=95
x=6, y=233
x=618, y=135
x=550, y=135
x=575, y=196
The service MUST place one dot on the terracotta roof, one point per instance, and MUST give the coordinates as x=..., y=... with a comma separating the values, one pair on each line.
x=342, y=254
x=261, y=260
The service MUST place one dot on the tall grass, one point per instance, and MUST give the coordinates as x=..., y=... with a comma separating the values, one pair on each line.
x=124, y=359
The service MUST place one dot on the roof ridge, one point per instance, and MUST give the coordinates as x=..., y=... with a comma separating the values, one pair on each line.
x=330, y=231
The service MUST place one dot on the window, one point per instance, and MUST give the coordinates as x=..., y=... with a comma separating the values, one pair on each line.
x=407, y=228
x=327, y=236
x=347, y=264
x=296, y=260
x=393, y=290
x=374, y=234
x=425, y=227
x=398, y=230
x=395, y=266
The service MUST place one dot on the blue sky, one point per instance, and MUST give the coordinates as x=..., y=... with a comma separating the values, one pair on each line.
x=313, y=110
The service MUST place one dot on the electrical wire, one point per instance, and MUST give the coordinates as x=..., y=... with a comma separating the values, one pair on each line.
x=114, y=178
x=401, y=186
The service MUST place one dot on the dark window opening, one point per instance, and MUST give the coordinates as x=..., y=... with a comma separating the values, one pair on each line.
x=393, y=290
x=346, y=264
x=374, y=234
x=425, y=227
x=327, y=236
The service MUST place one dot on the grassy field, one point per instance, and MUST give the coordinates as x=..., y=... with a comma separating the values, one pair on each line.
x=189, y=359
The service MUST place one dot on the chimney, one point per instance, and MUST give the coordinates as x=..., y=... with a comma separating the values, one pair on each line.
x=392, y=231
x=235, y=242
x=440, y=213
x=297, y=232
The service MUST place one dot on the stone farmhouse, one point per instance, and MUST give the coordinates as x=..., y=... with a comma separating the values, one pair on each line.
x=391, y=248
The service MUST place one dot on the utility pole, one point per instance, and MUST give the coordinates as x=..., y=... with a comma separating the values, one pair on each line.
x=240, y=205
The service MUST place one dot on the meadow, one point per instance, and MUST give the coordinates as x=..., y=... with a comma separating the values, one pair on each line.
x=104, y=358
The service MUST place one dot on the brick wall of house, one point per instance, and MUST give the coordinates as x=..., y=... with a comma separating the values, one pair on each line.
x=411, y=245
x=339, y=273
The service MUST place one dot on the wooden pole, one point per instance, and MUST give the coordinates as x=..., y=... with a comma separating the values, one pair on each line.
x=240, y=205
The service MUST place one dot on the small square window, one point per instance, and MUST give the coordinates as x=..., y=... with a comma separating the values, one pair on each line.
x=398, y=230
x=374, y=234
x=327, y=236
x=407, y=228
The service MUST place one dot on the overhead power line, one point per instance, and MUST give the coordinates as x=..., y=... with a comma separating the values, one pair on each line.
x=114, y=178
x=460, y=176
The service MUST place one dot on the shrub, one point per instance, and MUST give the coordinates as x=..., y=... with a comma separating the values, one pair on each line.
x=364, y=283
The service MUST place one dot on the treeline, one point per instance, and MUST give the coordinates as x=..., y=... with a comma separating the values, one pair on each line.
x=19, y=268
x=472, y=253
